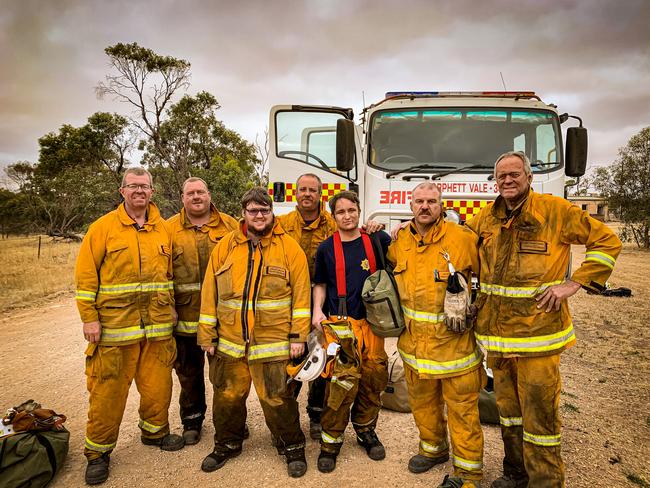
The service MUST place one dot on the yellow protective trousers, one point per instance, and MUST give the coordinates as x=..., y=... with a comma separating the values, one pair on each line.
x=361, y=402
x=528, y=396
x=110, y=371
x=231, y=379
x=427, y=398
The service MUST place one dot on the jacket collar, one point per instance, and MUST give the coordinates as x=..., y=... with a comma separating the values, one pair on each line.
x=215, y=218
x=153, y=216
x=525, y=217
x=241, y=233
x=434, y=234
x=320, y=220
x=500, y=210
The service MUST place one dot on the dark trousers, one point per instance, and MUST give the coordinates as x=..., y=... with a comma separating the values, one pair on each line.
x=189, y=369
x=231, y=379
x=528, y=396
x=315, y=397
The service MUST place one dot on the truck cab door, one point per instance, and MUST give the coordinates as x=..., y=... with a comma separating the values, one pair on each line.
x=303, y=139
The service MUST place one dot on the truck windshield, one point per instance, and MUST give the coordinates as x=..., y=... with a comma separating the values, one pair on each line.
x=449, y=138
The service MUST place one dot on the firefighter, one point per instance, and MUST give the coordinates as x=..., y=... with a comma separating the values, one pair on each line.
x=442, y=361
x=310, y=224
x=364, y=363
x=524, y=322
x=195, y=231
x=125, y=299
x=254, y=318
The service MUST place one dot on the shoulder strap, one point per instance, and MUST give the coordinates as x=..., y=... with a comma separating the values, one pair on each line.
x=339, y=264
x=370, y=253
x=379, y=250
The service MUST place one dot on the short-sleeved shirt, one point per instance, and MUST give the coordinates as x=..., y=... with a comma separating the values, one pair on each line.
x=357, y=270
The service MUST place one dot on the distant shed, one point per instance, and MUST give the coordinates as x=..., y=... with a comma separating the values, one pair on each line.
x=595, y=205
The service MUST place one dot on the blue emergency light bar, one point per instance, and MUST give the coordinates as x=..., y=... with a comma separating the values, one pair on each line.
x=504, y=94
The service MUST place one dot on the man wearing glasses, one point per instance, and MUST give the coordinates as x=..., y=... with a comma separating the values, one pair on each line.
x=126, y=303
x=195, y=231
x=255, y=316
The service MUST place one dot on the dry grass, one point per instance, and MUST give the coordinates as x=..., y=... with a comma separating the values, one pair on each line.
x=25, y=279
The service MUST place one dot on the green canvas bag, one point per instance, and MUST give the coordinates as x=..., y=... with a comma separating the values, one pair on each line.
x=381, y=298
x=31, y=459
x=33, y=446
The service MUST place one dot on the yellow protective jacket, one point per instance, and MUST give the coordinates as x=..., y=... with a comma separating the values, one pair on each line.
x=255, y=298
x=309, y=236
x=524, y=254
x=124, y=278
x=426, y=346
x=191, y=249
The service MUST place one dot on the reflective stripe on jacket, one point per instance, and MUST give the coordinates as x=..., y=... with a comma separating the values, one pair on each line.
x=309, y=236
x=255, y=300
x=524, y=254
x=192, y=247
x=426, y=346
x=123, y=278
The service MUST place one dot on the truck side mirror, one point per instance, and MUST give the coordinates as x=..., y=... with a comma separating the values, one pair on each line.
x=576, y=151
x=344, y=145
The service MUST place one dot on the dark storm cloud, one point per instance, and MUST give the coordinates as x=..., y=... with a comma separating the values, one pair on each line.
x=590, y=57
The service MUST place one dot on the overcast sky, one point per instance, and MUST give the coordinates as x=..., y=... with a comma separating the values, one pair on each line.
x=590, y=57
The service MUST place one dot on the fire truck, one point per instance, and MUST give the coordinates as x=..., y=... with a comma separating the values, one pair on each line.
x=450, y=138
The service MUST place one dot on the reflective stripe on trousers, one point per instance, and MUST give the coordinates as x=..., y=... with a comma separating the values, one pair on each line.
x=328, y=439
x=93, y=446
x=144, y=425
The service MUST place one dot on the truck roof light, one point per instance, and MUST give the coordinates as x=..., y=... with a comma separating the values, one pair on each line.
x=496, y=94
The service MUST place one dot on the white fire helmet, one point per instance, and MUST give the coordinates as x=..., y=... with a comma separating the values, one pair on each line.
x=313, y=363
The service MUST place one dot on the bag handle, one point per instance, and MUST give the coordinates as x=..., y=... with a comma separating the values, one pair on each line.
x=378, y=250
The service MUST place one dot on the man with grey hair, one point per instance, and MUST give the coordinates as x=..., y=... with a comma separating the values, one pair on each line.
x=524, y=322
x=126, y=303
x=195, y=230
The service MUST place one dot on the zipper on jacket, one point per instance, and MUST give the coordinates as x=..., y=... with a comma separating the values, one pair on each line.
x=258, y=279
x=247, y=284
x=140, y=295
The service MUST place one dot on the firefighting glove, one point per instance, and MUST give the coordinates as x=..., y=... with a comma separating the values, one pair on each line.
x=457, y=304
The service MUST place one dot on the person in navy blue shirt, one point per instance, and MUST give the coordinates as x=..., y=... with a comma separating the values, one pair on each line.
x=358, y=396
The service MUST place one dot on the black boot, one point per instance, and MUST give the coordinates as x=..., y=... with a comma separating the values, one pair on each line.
x=169, y=442
x=216, y=459
x=326, y=462
x=420, y=464
x=371, y=443
x=97, y=469
x=296, y=462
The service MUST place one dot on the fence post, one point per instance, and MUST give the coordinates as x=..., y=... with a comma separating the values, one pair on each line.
x=39, y=247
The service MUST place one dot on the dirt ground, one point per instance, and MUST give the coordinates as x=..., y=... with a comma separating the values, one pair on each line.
x=605, y=406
